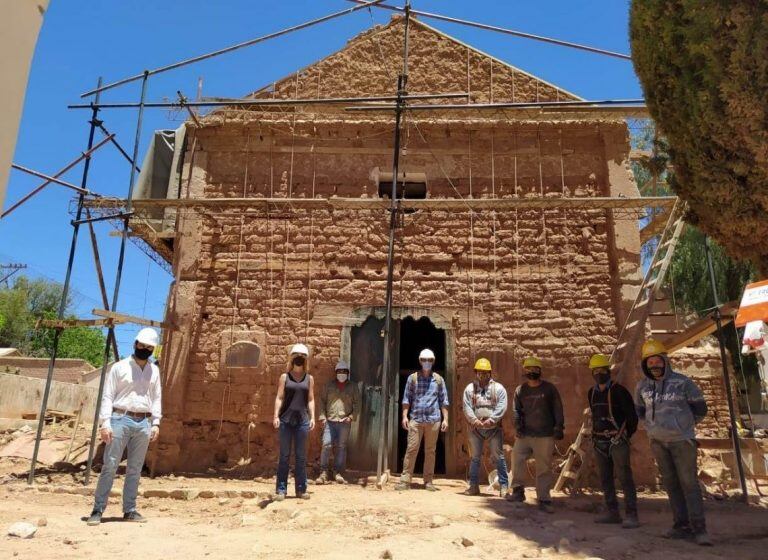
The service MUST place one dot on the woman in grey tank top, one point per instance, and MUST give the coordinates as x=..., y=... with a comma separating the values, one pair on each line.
x=294, y=418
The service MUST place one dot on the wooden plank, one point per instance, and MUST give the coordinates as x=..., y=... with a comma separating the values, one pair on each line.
x=701, y=328
x=654, y=227
x=69, y=323
x=123, y=318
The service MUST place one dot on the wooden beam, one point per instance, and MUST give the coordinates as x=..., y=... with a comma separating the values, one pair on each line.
x=701, y=328
x=654, y=227
x=69, y=323
x=123, y=318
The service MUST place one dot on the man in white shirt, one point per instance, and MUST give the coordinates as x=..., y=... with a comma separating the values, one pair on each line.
x=130, y=415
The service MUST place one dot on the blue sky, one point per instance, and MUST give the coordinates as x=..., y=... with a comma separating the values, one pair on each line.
x=80, y=41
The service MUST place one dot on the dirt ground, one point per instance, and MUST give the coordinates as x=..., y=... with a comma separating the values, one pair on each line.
x=352, y=521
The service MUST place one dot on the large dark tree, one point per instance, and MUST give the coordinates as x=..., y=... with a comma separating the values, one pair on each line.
x=704, y=69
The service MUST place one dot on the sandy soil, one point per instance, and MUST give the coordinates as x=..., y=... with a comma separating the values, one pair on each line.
x=354, y=522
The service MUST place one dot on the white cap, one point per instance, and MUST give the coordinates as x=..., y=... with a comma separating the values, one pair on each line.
x=300, y=349
x=427, y=354
x=341, y=364
x=148, y=336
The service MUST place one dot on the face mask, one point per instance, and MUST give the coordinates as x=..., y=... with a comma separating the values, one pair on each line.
x=342, y=377
x=142, y=353
x=484, y=379
x=426, y=366
x=299, y=361
x=533, y=375
x=602, y=378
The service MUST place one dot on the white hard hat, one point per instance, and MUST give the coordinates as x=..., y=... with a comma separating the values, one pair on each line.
x=148, y=336
x=300, y=349
x=341, y=364
x=427, y=354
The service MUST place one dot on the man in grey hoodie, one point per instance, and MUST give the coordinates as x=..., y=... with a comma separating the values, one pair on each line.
x=671, y=405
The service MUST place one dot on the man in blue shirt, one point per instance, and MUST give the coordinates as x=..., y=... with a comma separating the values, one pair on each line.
x=425, y=396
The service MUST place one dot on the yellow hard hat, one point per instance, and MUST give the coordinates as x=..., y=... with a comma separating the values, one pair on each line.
x=482, y=365
x=653, y=347
x=532, y=361
x=599, y=360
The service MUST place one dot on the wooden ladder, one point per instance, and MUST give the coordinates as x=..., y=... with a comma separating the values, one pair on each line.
x=630, y=337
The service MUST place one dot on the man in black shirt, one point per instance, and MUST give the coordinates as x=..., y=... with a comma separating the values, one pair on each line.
x=614, y=420
x=538, y=418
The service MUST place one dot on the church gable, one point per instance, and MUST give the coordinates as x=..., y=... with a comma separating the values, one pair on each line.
x=437, y=63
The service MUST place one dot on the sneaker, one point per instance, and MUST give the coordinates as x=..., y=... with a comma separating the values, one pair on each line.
x=612, y=517
x=677, y=533
x=134, y=517
x=473, y=490
x=630, y=522
x=429, y=487
x=280, y=496
x=503, y=490
x=403, y=486
x=517, y=495
x=323, y=478
x=302, y=495
x=95, y=518
x=340, y=479
x=546, y=506
x=702, y=539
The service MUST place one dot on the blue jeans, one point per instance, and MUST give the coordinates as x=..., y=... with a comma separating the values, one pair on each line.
x=677, y=464
x=126, y=433
x=335, y=434
x=495, y=439
x=293, y=435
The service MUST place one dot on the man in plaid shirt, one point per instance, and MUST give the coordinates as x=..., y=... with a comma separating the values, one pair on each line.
x=425, y=397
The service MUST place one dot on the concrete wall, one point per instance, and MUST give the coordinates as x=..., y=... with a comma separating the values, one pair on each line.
x=23, y=395
x=20, y=22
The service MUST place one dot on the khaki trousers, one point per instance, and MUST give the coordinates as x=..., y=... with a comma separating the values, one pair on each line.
x=542, y=449
x=415, y=433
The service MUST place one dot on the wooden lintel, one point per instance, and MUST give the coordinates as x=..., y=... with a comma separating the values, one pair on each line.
x=701, y=328
x=654, y=227
x=123, y=318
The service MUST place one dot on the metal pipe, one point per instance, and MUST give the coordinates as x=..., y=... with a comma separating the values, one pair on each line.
x=264, y=102
x=89, y=220
x=726, y=378
x=225, y=50
x=118, y=278
x=622, y=103
x=63, y=301
x=117, y=145
x=52, y=179
x=85, y=155
x=513, y=32
x=100, y=275
x=402, y=81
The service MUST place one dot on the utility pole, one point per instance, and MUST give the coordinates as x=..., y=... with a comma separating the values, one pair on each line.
x=13, y=268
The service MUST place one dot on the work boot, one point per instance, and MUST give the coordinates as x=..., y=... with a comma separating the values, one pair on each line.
x=517, y=495
x=678, y=532
x=302, y=495
x=630, y=521
x=546, y=506
x=473, y=490
x=403, y=486
x=702, y=539
x=134, y=517
x=503, y=490
x=280, y=496
x=323, y=478
x=611, y=517
x=430, y=487
x=95, y=518
x=340, y=479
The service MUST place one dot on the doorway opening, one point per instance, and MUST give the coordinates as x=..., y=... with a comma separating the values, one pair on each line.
x=415, y=335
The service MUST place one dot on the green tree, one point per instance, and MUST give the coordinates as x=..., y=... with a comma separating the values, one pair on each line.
x=704, y=71
x=29, y=300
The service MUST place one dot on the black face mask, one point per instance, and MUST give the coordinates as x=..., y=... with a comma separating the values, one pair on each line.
x=299, y=361
x=142, y=353
x=602, y=378
x=533, y=375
